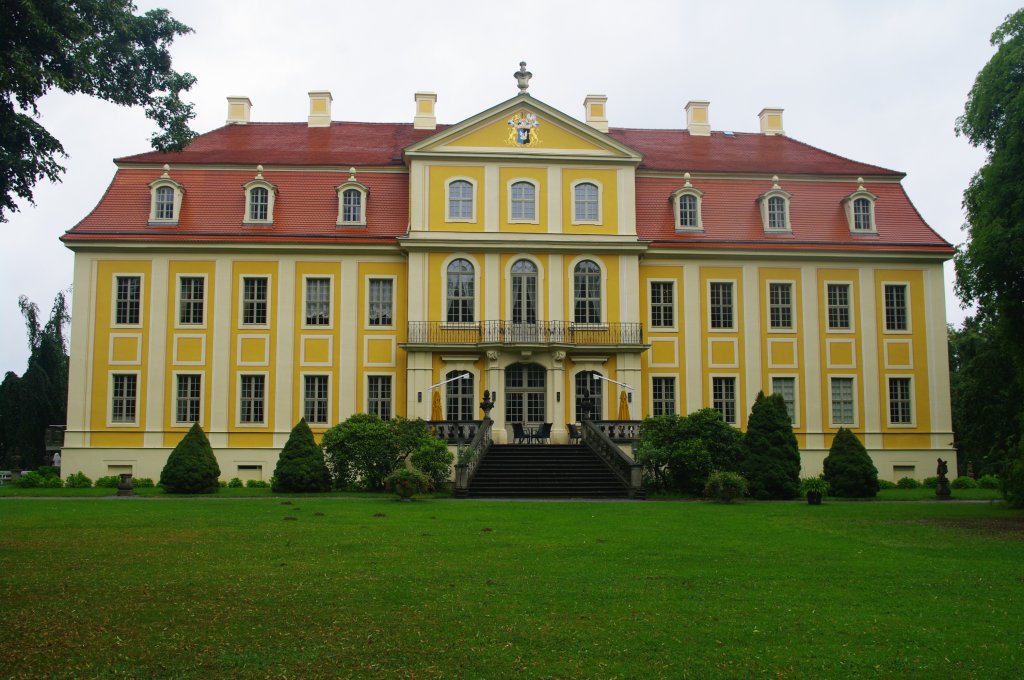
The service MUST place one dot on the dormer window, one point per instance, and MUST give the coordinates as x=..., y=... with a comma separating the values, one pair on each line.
x=860, y=210
x=259, y=200
x=165, y=202
x=775, y=208
x=352, y=202
x=686, y=202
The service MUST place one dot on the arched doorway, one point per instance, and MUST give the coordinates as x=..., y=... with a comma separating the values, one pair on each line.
x=525, y=394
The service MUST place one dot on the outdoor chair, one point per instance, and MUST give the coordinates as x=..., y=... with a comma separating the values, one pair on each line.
x=544, y=433
x=519, y=433
x=574, y=434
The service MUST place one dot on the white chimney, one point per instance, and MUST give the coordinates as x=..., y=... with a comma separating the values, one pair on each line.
x=320, y=108
x=238, y=110
x=425, y=118
x=771, y=121
x=697, y=118
x=596, y=107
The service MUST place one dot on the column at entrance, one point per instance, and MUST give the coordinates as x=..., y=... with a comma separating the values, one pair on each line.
x=557, y=386
x=419, y=376
x=496, y=384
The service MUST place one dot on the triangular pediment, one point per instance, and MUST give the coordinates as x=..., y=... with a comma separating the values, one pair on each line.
x=528, y=128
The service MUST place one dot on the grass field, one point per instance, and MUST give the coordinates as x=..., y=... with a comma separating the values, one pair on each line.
x=356, y=587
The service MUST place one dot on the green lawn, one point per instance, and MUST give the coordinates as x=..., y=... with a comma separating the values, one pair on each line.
x=442, y=588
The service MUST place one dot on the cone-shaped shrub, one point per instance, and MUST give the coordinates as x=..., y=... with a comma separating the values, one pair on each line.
x=191, y=467
x=301, y=465
x=771, y=457
x=848, y=468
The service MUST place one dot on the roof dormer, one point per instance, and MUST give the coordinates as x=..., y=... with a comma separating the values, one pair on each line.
x=165, y=200
x=774, y=205
x=352, y=197
x=860, y=210
x=259, y=200
x=686, y=205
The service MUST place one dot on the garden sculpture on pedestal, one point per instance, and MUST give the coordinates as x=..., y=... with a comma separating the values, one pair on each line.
x=942, y=485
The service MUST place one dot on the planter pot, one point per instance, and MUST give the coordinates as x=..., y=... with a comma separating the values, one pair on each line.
x=814, y=498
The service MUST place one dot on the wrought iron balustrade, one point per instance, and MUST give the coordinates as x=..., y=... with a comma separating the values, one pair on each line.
x=512, y=333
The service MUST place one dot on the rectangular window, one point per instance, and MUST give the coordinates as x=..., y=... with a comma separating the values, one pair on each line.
x=188, y=398
x=314, y=408
x=838, y=298
x=900, y=404
x=252, y=399
x=190, y=300
x=723, y=398
x=842, y=401
x=381, y=291
x=663, y=396
x=318, y=302
x=123, y=398
x=254, y=301
x=895, y=307
x=378, y=395
x=780, y=305
x=128, y=300
x=787, y=388
x=662, y=304
x=721, y=304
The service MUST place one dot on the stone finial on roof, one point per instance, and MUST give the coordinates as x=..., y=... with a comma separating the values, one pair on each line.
x=259, y=171
x=167, y=172
x=686, y=179
x=522, y=77
x=775, y=182
x=860, y=184
x=351, y=174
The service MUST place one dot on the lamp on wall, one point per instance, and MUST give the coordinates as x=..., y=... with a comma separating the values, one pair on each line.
x=558, y=397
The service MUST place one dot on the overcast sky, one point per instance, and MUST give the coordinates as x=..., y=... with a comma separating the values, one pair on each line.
x=880, y=82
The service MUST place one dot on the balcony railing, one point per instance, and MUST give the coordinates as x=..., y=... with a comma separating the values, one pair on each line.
x=510, y=333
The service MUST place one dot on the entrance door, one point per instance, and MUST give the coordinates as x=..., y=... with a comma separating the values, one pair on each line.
x=525, y=395
x=524, y=302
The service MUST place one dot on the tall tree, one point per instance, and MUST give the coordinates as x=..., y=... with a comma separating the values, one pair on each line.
x=95, y=47
x=771, y=455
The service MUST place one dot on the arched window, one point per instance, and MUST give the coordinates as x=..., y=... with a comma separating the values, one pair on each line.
x=585, y=203
x=164, y=203
x=459, y=396
x=862, y=215
x=587, y=386
x=460, y=291
x=860, y=209
x=460, y=200
x=524, y=292
x=523, y=202
x=259, y=204
x=688, y=211
x=587, y=292
x=776, y=212
x=352, y=206
x=775, y=208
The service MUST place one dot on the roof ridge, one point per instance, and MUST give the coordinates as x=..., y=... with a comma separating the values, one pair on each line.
x=843, y=158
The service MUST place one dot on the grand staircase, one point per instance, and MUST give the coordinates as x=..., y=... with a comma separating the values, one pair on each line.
x=545, y=471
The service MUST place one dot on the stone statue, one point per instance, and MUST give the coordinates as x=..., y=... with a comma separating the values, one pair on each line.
x=942, y=468
x=942, y=490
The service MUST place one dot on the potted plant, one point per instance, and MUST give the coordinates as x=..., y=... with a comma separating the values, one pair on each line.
x=813, y=488
x=405, y=482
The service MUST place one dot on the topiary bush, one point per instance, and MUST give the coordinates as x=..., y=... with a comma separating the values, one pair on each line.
x=848, y=468
x=964, y=483
x=405, y=482
x=142, y=483
x=724, y=486
x=908, y=483
x=191, y=467
x=988, y=482
x=884, y=484
x=256, y=484
x=301, y=466
x=433, y=459
x=235, y=483
x=77, y=480
x=108, y=482
x=771, y=457
x=930, y=482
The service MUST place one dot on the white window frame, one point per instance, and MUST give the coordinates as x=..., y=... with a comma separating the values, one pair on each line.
x=476, y=292
x=776, y=192
x=391, y=399
x=175, y=396
x=602, y=294
x=889, y=377
x=178, y=193
x=733, y=288
x=600, y=201
x=394, y=306
x=363, y=197
x=650, y=306
x=853, y=398
x=850, y=307
x=259, y=183
x=796, y=393
x=906, y=309
x=677, y=195
x=536, y=201
x=238, y=401
x=541, y=283
x=737, y=407
x=113, y=299
x=792, y=306
x=179, y=301
x=447, y=200
x=675, y=392
x=305, y=301
x=303, y=376
x=849, y=209
x=241, y=300
x=110, y=399
x=446, y=374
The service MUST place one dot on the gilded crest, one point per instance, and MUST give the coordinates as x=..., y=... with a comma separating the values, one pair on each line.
x=524, y=130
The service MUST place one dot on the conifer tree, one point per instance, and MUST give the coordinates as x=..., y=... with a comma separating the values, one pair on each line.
x=848, y=468
x=191, y=467
x=301, y=465
x=771, y=460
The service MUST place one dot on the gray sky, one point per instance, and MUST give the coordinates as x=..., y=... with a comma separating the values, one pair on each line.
x=879, y=82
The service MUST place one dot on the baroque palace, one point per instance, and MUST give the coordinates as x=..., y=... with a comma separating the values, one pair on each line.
x=277, y=271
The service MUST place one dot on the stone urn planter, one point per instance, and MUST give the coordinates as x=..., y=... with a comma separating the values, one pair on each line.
x=125, y=487
x=813, y=489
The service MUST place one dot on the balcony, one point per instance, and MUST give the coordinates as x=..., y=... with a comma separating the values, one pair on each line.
x=619, y=336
